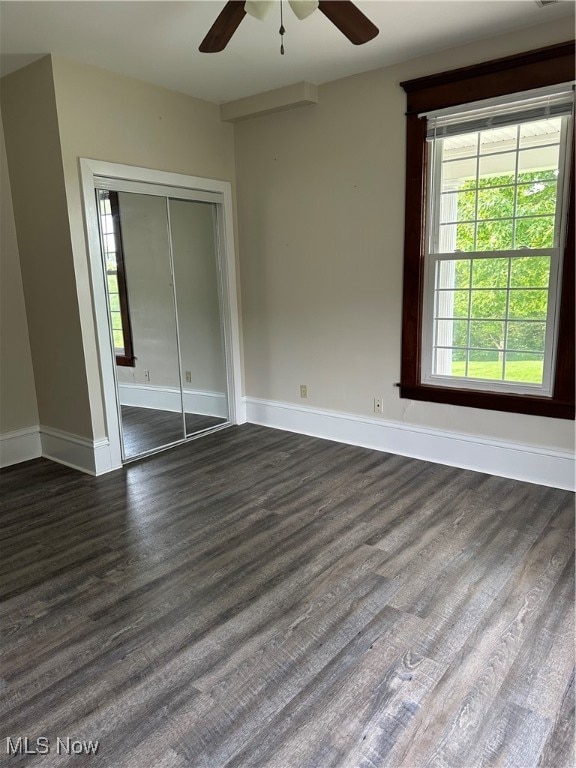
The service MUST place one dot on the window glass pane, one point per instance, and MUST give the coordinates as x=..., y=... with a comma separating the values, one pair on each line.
x=443, y=333
x=447, y=238
x=488, y=304
x=497, y=169
x=462, y=145
x=107, y=225
x=109, y=243
x=541, y=162
x=111, y=264
x=449, y=362
x=530, y=272
x=458, y=206
x=526, y=336
x=443, y=303
x=538, y=197
x=494, y=235
x=535, y=233
x=445, y=275
x=487, y=334
x=118, y=341
x=462, y=269
x=528, y=304
x=456, y=172
x=116, y=320
x=485, y=365
x=461, y=303
x=453, y=274
x=524, y=367
x=453, y=302
x=112, y=284
x=497, y=203
x=115, y=302
x=451, y=333
x=456, y=237
x=490, y=273
x=540, y=132
x=498, y=139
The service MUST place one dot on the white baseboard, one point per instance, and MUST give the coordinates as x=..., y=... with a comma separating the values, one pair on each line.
x=197, y=401
x=534, y=464
x=519, y=461
x=90, y=456
x=20, y=445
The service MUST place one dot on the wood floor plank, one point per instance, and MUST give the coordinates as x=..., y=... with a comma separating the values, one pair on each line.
x=462, y=701
x=559, y=750
x=261, y=599
x=537, y=679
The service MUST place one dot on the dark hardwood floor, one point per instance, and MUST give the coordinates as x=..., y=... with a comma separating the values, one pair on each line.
x=145, y=429
x=260, y=598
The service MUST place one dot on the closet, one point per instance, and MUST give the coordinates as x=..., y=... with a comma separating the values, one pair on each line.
x=160, y=251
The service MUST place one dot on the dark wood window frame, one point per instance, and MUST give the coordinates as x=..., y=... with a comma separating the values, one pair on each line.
x=127, y=359
x=513, y=74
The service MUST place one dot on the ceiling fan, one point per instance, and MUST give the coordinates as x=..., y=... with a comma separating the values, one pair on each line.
x=342, y=13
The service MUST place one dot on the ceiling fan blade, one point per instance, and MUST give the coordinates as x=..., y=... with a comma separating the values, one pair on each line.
x=350, y=20
x=224, y=27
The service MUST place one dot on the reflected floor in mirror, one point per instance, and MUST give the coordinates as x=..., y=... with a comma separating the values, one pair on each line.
x=145, y=429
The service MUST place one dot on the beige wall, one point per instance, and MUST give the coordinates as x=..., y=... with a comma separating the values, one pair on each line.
x=39, y=197
x=18, y=406
x=321, y=215
x=106, y=116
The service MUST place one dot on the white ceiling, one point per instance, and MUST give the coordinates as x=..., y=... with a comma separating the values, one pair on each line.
x=158, y=41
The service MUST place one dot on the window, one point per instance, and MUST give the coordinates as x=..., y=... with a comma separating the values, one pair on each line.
x=496, y=218
x=488, y=292
x=109, y=214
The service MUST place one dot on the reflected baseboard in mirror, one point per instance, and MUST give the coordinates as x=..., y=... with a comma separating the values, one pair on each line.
x=144, y=429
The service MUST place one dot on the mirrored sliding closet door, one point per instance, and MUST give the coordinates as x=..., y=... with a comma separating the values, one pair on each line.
x=196, y=281
x=164, y=302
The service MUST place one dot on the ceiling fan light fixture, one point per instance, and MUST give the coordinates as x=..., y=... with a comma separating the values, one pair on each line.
x=342, y=13
x=303, y=8
x=259, y=9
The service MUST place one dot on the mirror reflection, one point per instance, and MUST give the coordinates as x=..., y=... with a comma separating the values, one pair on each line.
x=141, y=300
x=165, y=314
x=203, y=363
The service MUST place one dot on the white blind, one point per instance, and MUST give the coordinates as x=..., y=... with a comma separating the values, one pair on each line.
x=518, y=108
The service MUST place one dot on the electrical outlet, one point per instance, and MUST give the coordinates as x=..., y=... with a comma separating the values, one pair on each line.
x=189, y=377
x=303, y=390
x=378, y=405
x=146, y=375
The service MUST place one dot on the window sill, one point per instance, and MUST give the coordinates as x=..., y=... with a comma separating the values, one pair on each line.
x=128, y=362
x=495, y=401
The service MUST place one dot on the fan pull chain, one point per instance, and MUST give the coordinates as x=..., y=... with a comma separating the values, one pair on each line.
x=282, y=30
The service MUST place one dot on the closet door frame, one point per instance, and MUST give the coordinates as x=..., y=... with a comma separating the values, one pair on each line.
x=165, y=184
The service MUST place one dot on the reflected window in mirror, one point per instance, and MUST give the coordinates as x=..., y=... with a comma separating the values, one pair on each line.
x=110, y=227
